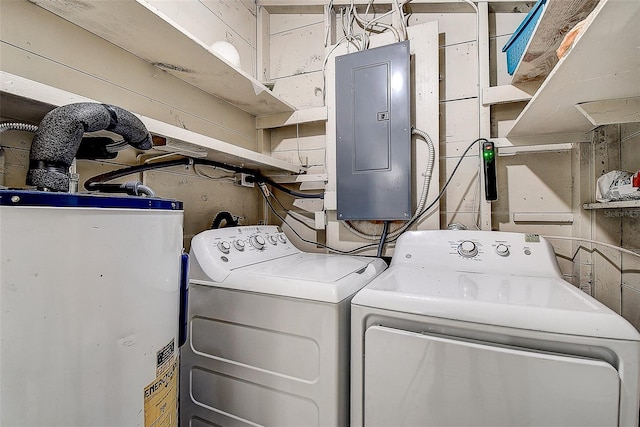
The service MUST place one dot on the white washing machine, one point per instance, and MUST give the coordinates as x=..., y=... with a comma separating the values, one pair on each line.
x=268, y=332
x=472, y=328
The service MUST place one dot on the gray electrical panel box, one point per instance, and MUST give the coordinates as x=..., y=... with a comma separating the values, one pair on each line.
x=373, y=134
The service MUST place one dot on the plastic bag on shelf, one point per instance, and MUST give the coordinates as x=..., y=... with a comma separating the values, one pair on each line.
x=618, y=185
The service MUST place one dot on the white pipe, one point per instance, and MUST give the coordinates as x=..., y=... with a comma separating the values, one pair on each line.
x=595, y=242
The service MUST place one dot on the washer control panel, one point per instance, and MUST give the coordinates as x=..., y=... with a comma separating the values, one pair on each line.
x=479, y=251
x=470, y=248
x=225, y=249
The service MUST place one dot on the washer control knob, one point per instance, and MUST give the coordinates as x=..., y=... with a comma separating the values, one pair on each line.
x=282, y=238
x=224, y=247
x=257, y=242
x=273, y=239
x=239, y=245
x=502, y=250
x=468, y=249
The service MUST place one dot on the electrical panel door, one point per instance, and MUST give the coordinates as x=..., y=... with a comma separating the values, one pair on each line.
x=373, y=134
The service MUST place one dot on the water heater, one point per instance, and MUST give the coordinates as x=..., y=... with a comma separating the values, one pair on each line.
x=89, y=309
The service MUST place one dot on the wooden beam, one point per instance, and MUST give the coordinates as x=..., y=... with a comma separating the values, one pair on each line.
x=337, y=3
x=503, y=94
x=317, y=114
x=554, y=217
x=316, y=6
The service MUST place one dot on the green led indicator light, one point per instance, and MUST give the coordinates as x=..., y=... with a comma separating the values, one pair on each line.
x=487, y=155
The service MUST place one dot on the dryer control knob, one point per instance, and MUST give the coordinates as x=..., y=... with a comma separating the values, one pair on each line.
x=468, y=249
x=273, y=240
x=239, y=245
x=257, y=242
x=224, y=247
x=282, y=238
x=502, y=250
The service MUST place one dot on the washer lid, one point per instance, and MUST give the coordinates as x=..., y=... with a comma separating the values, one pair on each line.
x=534, y=303
x=312, y=267
x=318, y=277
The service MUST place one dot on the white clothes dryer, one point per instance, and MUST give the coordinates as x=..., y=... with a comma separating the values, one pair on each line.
x=473, y=328
x=268, y=331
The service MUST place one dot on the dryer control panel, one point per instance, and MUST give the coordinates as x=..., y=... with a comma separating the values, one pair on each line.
x=217, y=252
x=478, y=251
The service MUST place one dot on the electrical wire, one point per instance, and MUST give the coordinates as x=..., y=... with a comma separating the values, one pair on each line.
x=289, y=191
x=278, y=201
x=329, y=248
x=383, y=237
x=324, y=68
x=365, y=36
x=298, y=144
x=361, y=41
x=403, y=24
x=347, y=27
x=476, y=196
x=444, y=188
x=374, y=22
x=287, y=211
x=215, y=178
x=328, y=27
x=188, y=161
x=119, y=173
x=448, y=181
x=476, y=218
x=273, y=196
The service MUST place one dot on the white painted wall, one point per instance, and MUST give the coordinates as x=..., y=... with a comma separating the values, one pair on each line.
x=296, y=55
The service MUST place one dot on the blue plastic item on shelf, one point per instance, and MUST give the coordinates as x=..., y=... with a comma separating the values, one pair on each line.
x=518, y=41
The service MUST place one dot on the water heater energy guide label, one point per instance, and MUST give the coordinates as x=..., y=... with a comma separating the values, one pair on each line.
x=161, y=396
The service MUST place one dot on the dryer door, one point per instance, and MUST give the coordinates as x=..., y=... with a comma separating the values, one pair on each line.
x=415, y=379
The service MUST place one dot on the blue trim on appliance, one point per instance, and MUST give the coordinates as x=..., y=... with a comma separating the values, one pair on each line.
x=183, y=317
x=84, y=200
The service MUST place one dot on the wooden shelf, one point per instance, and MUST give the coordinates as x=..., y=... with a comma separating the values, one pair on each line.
x=21, y=94
x=143, y=30
x=613, y=205
x=603, y=64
